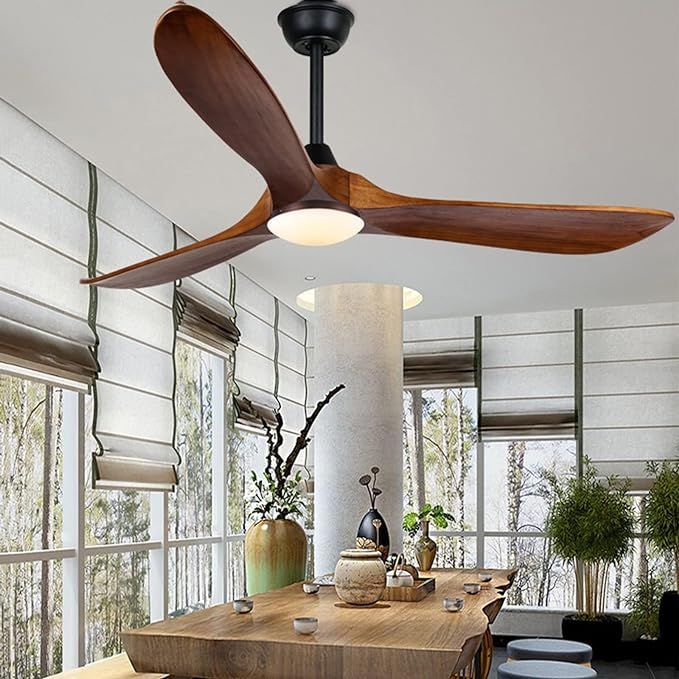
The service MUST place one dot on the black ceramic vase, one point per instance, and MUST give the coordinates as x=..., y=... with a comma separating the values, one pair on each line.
x=365, y=538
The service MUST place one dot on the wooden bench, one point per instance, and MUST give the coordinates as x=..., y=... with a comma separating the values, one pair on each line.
x=117, y=667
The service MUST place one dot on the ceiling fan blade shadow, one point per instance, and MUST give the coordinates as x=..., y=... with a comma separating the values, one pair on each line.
x=222, y=85
x=558, y=229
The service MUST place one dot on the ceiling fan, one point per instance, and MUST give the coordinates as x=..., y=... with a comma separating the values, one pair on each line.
x=310, y=199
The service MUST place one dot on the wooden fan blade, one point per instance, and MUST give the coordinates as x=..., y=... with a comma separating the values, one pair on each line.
x=245, y=235
x=559, y=229
x=222, y=85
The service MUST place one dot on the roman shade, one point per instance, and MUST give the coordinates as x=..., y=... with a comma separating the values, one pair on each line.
x=203, y=306
x=134, y=418
x=528, y=368
x=631, y=387
x=449, y=369
x=44, y=333
x=439, y=353
x=270, y=367
x=255, y=410
x=525, y=426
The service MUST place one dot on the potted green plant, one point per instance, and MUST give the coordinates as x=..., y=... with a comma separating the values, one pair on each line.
x=276, y=545
x=591, y=525
x=425, y=547
x=643, y=618
x=662, y=524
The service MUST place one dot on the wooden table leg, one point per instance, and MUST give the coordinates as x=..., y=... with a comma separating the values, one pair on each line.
x=480, y=666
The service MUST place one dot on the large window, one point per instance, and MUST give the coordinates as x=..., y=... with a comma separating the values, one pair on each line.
x=116, y=525
x=498, y=516
x=517, y=499
x=78, y=565
x=440, y=466
x=31, y=463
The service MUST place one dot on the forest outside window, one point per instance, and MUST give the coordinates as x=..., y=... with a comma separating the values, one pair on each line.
x=440, y=437
x=32, y=463
x=518, y=495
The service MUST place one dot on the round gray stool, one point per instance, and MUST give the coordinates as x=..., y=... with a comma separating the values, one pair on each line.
x=544, y=669
x=549, y=649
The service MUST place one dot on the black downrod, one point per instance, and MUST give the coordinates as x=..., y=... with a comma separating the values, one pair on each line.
x=316, y=93
x=317, y=29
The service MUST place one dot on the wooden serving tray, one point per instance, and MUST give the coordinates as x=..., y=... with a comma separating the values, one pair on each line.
x=421, y=588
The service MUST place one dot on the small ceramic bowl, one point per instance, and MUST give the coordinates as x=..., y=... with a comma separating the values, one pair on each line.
x=310, y=587
x=305, y=625
x=485, y=577
x=243, y=605
x=472, y=587
x=452, y=604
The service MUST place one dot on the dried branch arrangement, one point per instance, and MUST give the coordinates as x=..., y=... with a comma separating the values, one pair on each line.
x=277, y=493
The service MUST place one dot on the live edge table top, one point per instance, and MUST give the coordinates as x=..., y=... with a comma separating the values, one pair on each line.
x=390, y=639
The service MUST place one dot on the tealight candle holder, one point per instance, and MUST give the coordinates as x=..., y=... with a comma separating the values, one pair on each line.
x=243, y=605
x=305, y=625
x=452, y=604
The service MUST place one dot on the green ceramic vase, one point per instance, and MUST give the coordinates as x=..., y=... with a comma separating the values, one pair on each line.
x=275, y=555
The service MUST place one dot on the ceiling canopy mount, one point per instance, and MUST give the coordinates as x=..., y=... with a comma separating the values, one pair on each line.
x=316, y=22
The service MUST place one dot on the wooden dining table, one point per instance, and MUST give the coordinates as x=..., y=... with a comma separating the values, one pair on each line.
x=390, y=639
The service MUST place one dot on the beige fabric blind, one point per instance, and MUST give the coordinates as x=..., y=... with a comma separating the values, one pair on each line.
x=270, y=367
x=448, y=369
x=439, y=353
x=528, y=376
x=540, y=426
x=204, y=306
x=134, y=415
x=206, y=319
x=44, y=332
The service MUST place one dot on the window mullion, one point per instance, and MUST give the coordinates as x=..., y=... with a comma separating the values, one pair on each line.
x=73, y=530
x=159, y=558
x=480, y=505
x=219, y=460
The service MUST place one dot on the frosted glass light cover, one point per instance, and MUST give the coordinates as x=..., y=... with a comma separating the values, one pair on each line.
x=315, y=226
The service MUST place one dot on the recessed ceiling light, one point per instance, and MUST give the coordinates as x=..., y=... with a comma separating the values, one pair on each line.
x=309, y=278
x=307, y=299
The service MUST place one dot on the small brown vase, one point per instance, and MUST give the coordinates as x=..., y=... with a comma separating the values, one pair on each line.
x=425, y=548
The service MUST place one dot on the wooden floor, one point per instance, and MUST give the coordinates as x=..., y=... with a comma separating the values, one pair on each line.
x=117, y=667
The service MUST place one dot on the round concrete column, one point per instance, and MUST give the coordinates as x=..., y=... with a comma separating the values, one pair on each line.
x=358, y=341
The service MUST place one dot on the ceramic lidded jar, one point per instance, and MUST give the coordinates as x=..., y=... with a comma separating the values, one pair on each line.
x=360, y=576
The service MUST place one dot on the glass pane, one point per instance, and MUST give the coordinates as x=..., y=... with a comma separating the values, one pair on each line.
x=31, y=461
x=542, y=580
x=245, y=453
x=443, y=447
x=190, y=579
x=30, y=619
x=235, y=568
x=638, y=564
x=190, y=506
x=116, y=598
x=516, y=491
x=111, y=516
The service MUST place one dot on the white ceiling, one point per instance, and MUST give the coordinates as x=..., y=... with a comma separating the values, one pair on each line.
x=527, y=101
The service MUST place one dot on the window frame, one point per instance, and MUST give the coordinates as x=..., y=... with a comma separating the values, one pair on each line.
x=479, y=533
x=74, y=552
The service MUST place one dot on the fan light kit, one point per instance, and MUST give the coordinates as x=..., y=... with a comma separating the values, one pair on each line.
x=315, y=225
x=310, y=199
x=307, y=299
